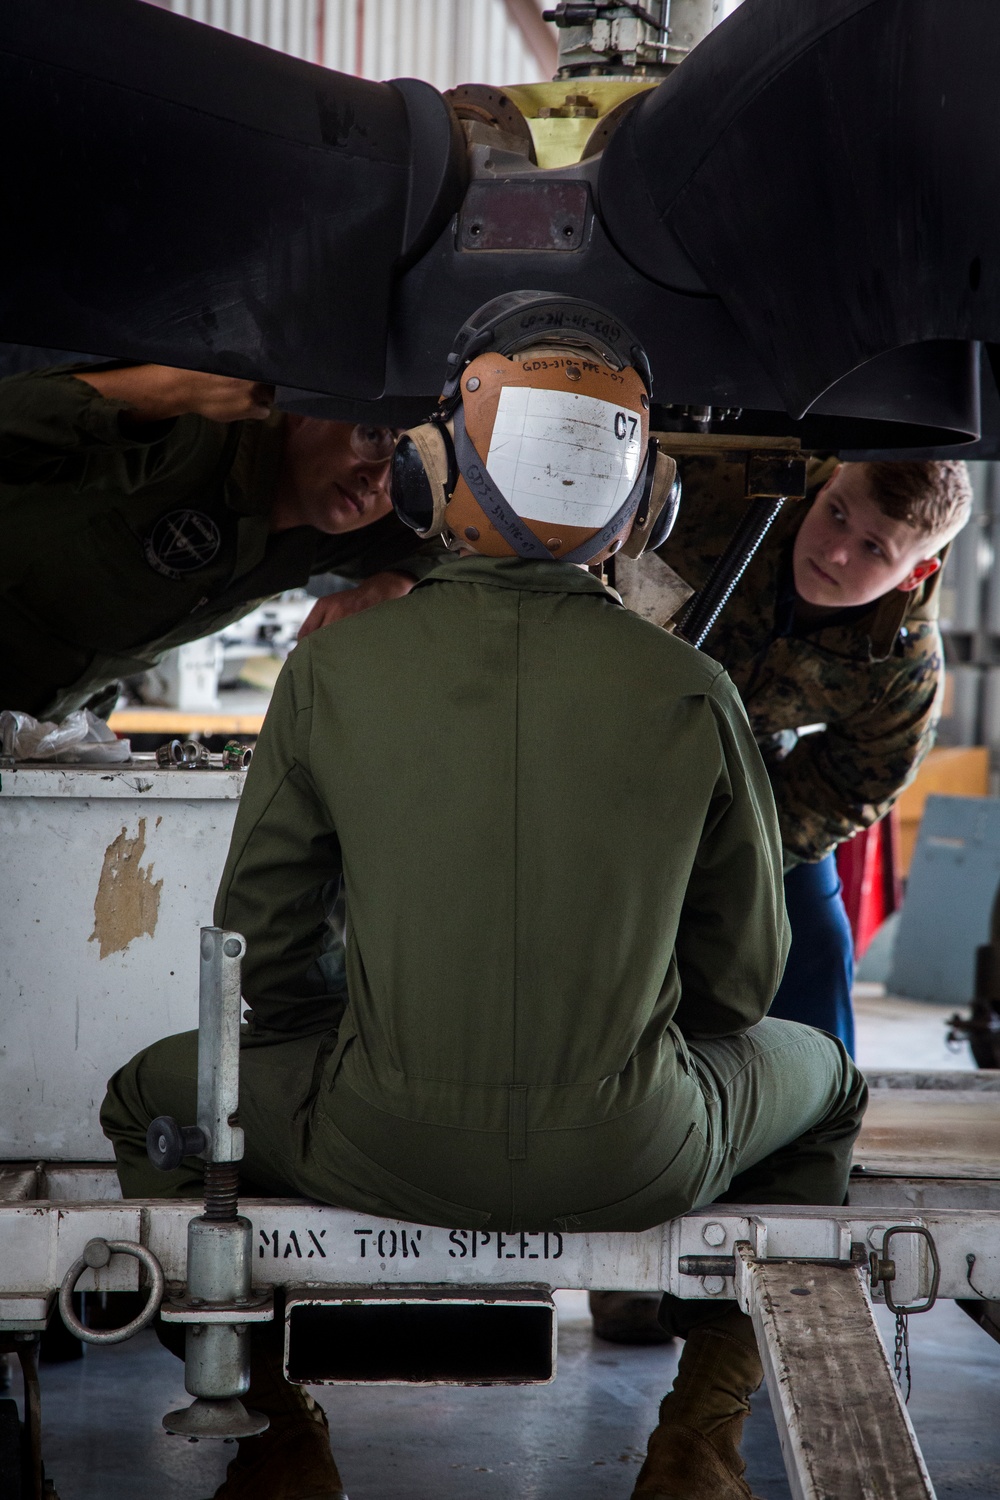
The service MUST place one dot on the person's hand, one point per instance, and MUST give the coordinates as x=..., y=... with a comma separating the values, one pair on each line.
x=222, y=398
x=373, y=590
x=154, y=393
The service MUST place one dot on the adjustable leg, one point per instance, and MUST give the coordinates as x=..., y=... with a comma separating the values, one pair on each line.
x=843, y=1426
x=219, y=1305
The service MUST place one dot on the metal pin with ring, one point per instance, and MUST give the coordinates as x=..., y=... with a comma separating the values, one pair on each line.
x=882, y=1268
x=97, y=1254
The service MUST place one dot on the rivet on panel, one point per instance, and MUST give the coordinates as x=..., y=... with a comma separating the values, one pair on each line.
x=472, y=384
x=472, y=532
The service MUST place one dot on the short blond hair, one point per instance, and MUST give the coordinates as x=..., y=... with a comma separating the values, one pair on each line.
x=934, y=496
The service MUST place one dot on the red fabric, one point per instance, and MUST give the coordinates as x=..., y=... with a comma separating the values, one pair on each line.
x=868, y=866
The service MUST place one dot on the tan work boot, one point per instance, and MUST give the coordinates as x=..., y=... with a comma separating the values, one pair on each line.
x=292, y=1459
x=628, y=1317
x=694, y=1452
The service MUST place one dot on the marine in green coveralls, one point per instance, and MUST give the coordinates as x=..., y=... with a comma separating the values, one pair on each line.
x=563, y=881
x=144, y=506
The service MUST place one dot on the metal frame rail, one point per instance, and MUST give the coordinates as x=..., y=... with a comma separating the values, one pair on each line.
x=802, y=1273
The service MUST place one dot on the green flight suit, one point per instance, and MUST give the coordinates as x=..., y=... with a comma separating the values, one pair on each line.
x=120, y=543
x=565, y=923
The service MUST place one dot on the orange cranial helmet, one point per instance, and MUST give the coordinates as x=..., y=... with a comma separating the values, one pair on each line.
x=539, y=447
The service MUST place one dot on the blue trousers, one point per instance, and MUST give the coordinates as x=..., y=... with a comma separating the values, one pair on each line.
x=816, y=986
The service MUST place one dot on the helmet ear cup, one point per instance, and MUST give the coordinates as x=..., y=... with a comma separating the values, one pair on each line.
x=671, y=504
x=422, y=476
x=658, y=506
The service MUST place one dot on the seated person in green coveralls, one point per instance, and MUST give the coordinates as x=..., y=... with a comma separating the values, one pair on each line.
x=562, y=870
x=144, y=506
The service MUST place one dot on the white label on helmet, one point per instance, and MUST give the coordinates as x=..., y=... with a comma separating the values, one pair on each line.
x=562, y=458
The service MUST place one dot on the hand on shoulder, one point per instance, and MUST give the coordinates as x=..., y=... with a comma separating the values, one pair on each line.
x=374, y=590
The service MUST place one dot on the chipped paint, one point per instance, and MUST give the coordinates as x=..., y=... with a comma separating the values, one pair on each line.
x=127, y=904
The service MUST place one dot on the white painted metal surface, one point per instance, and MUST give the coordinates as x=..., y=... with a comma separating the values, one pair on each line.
x=109, y=874
x=298, y=1244
x=445, y=42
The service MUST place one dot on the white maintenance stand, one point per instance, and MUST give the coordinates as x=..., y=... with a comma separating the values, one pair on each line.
x=110, y=874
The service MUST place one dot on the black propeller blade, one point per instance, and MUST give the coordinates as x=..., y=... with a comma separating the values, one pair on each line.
x=800, y=221
x=832, y=170
x=177, y=195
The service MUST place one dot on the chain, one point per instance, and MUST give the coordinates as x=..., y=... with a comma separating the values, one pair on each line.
x=901, y=1354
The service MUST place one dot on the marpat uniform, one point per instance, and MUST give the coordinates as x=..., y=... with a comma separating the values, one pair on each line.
x=873, y=677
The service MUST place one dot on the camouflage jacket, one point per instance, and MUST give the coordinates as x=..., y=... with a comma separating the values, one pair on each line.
x=873, y=678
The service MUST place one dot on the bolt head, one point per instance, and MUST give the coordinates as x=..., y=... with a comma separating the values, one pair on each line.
x=713, y=1285
x=714, y=1234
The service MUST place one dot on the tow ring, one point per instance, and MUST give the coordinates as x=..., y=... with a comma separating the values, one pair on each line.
x=96, y=1254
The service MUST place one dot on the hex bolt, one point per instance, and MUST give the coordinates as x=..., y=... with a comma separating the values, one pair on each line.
x=713, y=1285
x=714, y=1234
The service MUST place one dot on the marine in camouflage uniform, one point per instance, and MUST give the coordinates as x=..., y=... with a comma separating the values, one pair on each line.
x=869, y=676
x=872, y=676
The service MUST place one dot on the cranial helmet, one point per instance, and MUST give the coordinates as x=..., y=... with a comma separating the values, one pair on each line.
x=539, y=447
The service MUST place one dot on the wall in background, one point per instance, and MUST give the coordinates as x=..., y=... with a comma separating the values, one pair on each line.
x=445, y=42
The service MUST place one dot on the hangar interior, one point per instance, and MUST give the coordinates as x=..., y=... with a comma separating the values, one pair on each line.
x=257, y=239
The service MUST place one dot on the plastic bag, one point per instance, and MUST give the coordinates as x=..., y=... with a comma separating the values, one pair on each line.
x=81, y=738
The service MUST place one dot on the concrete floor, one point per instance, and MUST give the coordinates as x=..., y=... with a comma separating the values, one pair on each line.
x=895, y=1033
x=581, y=1438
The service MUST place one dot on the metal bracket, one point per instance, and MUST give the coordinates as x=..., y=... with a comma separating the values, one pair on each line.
x=259, y=1308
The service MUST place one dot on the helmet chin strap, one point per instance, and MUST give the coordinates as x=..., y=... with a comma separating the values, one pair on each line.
x=515, y=533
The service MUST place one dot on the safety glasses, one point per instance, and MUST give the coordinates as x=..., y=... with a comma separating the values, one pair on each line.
x=373, y=444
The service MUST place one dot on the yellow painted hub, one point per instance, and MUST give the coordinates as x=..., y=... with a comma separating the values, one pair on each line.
x=560, y=138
